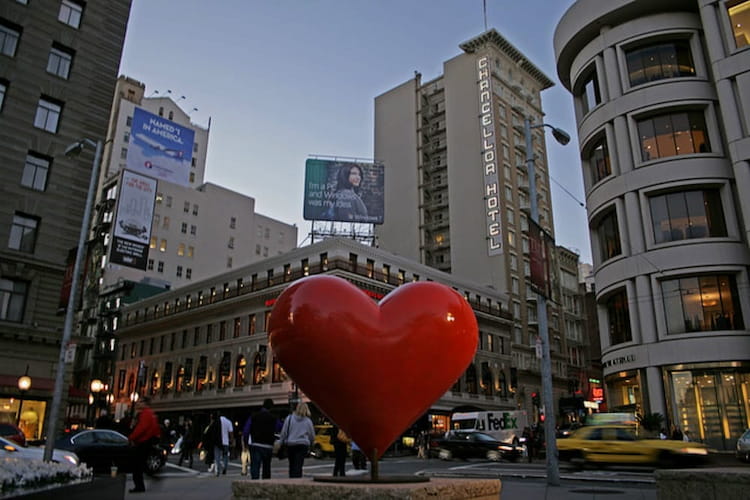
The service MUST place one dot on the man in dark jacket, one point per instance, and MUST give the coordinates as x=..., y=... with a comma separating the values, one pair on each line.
x=263, y=426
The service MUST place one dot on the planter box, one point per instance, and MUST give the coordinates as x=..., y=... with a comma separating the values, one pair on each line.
x=102, y=487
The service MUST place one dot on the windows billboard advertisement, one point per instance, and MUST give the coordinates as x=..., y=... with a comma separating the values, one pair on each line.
x=135, y=211
x=160, y=148
x=344, y=191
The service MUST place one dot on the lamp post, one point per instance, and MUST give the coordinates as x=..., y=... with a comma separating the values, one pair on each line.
x=24, y=384
x=553, y=468
x=72, y=150
x=96, y=387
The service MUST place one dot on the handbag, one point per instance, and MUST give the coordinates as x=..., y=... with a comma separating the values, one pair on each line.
x=280, y=449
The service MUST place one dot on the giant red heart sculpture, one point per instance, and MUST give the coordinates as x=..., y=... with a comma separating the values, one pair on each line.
x=374, y=369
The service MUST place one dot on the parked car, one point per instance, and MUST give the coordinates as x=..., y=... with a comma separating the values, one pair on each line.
x=606, y=444
x=13, y=433
x=102, y=448
x=474, y=444
x=15, y=450
x=743, y=446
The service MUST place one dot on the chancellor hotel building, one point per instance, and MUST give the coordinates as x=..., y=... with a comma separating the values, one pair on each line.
x=454, y=151
x=662, y=100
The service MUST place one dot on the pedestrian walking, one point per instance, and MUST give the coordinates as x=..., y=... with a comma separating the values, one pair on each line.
x=261, y=437
x=208, y=441
x=298, y=433
x=359, y=461
x=188, y=443
x=145, y=435
x=223, y=444
x=528, y=437
x=340, y=441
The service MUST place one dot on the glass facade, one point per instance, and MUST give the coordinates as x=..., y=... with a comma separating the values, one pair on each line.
x=712, y=401
x=624, y=392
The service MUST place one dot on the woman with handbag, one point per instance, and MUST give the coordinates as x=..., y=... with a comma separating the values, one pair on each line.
x=298, y=434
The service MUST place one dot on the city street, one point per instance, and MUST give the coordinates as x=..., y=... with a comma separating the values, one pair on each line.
x=520, y=480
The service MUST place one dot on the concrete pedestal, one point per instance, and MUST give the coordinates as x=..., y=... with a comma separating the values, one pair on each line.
x=703, y=484
x=306, y=488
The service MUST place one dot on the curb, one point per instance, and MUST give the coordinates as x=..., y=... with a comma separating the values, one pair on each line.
x=644, y=481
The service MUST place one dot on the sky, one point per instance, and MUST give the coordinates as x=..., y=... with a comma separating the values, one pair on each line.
x=281, y=80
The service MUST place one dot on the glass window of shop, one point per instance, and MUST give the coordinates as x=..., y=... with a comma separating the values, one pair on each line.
x=624, y=392
x=682, y=215
x=739, y=16
x=712, y=403
x=660, y=60
x=28, y=414
x=702, y=303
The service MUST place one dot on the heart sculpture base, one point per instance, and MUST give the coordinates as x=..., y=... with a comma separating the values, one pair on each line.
x=367, y=479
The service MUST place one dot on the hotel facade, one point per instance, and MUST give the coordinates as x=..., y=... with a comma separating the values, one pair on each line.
x=662, y=100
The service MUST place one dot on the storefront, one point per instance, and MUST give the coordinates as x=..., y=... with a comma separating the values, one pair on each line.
x=711, y=401
x=27, y=414
x=624, y=391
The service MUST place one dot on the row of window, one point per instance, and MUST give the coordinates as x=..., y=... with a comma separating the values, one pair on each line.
x=691, y=304
x=212, y=332
x=675, y=216
x=305, y=269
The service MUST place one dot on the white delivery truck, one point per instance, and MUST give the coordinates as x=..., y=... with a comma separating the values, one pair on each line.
x=506, y=426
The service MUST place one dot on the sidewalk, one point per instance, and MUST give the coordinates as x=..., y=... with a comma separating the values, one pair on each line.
x=206, y=486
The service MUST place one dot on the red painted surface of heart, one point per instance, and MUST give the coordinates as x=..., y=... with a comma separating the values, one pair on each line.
x=374, y=369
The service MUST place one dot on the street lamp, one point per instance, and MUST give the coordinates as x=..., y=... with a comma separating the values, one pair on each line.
x=96, y=387
x=24, y=384
x=72, y=150
x=553, y=469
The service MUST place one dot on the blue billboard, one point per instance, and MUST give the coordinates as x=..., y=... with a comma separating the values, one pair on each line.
x=160, y=148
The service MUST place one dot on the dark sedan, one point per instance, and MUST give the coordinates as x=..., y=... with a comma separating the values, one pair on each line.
x=100, y=449
x=473, y=444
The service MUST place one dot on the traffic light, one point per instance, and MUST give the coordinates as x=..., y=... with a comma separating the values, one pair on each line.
x=535, y=399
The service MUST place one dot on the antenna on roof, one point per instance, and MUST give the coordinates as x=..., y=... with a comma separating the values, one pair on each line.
x=484, y=9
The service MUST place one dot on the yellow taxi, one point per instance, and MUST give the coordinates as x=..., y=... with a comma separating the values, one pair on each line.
x=323, y=446
x=618, y=444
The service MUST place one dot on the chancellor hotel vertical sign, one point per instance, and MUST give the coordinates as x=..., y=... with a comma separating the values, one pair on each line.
x=491, y=193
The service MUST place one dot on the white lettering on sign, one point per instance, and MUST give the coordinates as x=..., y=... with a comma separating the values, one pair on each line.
x=491, y=193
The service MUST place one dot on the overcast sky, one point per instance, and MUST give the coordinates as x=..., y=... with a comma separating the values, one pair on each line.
x=282, y=80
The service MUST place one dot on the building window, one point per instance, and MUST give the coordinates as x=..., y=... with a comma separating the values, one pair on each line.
x=12, y=299
x=193, y=230
x=233, y=222
x=251, y=324
x=152, y=243
x=237, y=327
x=70, y=13
x=159, y=198
x=686, y=215
x=188, y=273
x=183, y=228
x=229, y=262
x=186, y=207
x=47, y=115
x=181, y=249
x=150, y=264
x=190, y=251
x=160, y=267
x=657, y=61
x=618, y=318
x=590, y=95
x=739, y=17
x=192, y=177
x=163, y=246
x=257, y=249
x=60, y=59
x=168, y=201
x=179, y=271
x=3, y=90
x=230, y=243
x=701, y=303
x=23, y=232
x=195, y=209
x=673, y=134
x=9, y=35
x=126, y=137
x=609, y=236
x=599, y=161
x=124, y=154
x=35, y=171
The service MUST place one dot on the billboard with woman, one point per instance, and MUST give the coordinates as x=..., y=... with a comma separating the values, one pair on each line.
x=343, y=191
